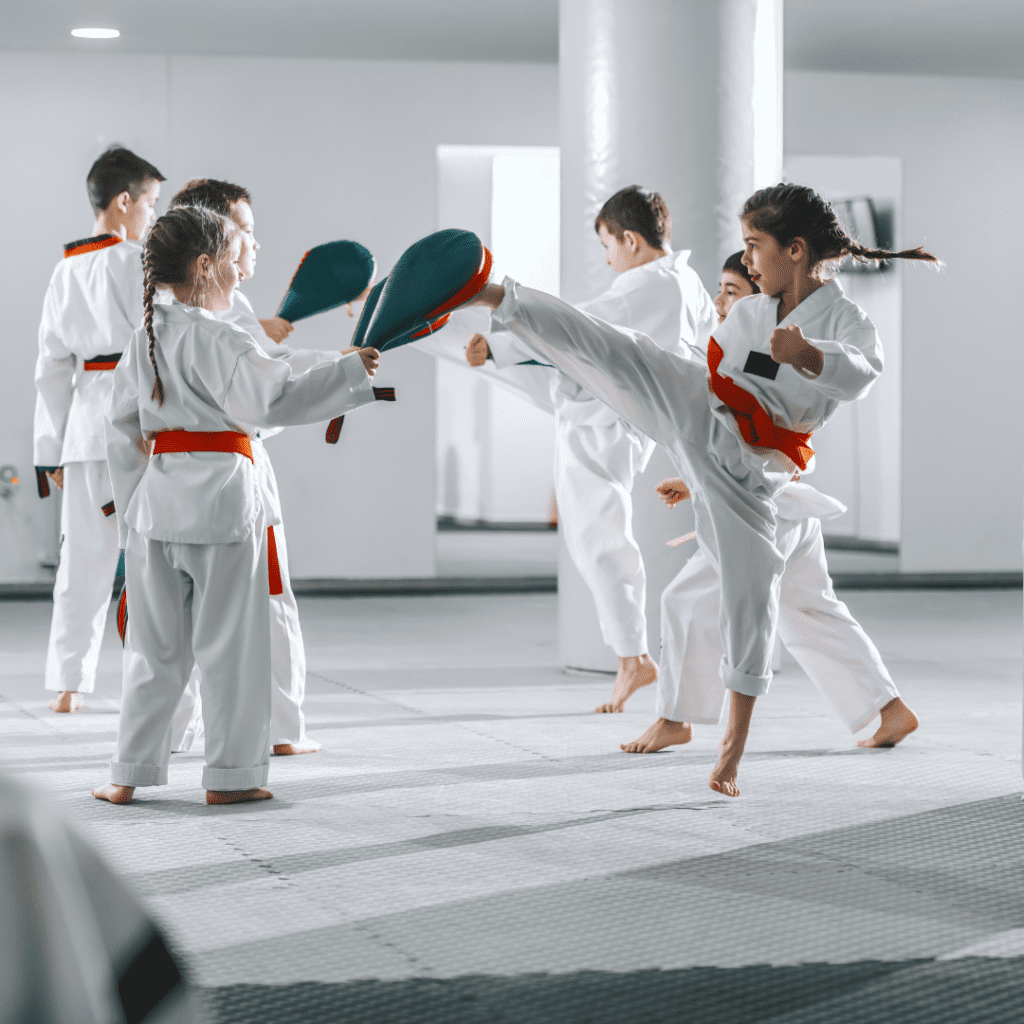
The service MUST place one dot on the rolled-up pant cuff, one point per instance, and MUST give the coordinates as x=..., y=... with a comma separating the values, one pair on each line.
x=227, y=780
x=122, y=774
x=740, y=682
x=675, y=714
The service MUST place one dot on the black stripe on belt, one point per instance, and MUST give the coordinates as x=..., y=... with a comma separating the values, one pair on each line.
x=107, y=362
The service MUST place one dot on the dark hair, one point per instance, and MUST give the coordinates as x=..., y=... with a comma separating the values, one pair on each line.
x=118, y=170
x=176, y=239
x=737, y=266
x=218, y=196
x=636, y=209
x=787, y=212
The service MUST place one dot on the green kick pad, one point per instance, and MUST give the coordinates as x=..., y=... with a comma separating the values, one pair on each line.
x=431, y=278
x=328, y=276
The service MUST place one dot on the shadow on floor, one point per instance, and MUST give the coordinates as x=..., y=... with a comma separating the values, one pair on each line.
x=978, y=990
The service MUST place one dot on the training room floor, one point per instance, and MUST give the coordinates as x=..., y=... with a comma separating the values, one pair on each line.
x=472, y=846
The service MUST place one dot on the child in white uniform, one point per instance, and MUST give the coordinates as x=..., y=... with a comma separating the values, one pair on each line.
x=597, y=453
x=92, y=306
x=816, y=627
x=778, y=367
x=191, y=516
x=287, y=652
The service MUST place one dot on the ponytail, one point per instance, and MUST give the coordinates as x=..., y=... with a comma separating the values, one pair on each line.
x=176, y=240
x=787, y=212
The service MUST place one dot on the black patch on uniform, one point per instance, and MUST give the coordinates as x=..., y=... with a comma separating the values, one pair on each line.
x=761, y=365
x=108, y=509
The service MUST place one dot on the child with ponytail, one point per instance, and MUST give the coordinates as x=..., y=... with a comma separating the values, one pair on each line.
x=779, y=365
x=189, y=514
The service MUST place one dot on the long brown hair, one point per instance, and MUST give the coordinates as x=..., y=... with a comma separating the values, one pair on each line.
x=176, y=240
x=787, y=212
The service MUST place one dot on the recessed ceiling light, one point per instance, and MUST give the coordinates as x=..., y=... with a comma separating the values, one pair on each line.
x=95, y=33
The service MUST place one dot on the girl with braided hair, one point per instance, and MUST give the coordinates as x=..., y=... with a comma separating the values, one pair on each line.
x=198, y=556
x=778, y=366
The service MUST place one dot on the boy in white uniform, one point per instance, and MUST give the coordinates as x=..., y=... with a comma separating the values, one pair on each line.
x=597, y=453
x=92, y=306
x=287, y=652
x=739, y=428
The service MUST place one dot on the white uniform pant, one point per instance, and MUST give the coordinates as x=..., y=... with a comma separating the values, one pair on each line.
x=816, y=627
x=666, y=397
x=85, y=577
x=287, y=671
x=594, y=470
x=207, y=603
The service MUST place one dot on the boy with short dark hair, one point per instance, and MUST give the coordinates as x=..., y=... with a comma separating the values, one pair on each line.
x=92, y=306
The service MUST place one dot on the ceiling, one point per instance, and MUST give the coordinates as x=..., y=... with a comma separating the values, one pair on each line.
x=959, y=37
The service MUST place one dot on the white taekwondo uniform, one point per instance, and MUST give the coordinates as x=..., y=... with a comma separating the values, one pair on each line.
x=193, y=525
x=287, y=652
x=816, y=627
x=598, y=453
x=669, y=398
x=92, y=305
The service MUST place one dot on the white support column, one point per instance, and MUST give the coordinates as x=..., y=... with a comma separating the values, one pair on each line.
x=683, y=97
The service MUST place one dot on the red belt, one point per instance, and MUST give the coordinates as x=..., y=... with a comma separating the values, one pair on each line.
x=168, y=441
x=756, y=426
x=107, y=362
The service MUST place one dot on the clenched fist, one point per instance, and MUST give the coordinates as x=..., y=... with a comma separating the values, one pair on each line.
x=277, y=329
x=673, y=491
x=477, y=351
x=370, y=358
x=790, y=346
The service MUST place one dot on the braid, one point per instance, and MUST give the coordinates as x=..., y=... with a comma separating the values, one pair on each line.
x=787, y=212
x=147, y=305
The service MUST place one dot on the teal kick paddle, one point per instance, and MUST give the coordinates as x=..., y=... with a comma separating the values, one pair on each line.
x=431, y=279
x=328, y=276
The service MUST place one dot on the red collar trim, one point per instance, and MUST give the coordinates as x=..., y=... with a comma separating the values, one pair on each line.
x=90, y=244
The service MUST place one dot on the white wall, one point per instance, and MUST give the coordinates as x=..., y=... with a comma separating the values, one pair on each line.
x=495, y=451
x=961, y=141
x=329, y=149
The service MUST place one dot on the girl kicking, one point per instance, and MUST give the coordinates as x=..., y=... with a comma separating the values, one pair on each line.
x=778, y=367
x=189, y=516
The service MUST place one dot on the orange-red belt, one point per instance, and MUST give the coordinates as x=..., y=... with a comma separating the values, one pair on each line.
x=107, y=362
x=756, y=426
x=168, y=441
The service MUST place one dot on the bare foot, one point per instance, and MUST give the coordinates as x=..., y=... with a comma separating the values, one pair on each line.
x=723, y=775
x=898, y=722
x=114, y=793
x=237, y=796
x=730, y=750
x=664, y=733
x=66, y=702
x=307, y=746
x=633, y=673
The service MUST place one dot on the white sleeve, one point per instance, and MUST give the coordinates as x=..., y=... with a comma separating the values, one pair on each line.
x=852, y=362
x=55, y=371
x=264, y=391
x=127, y=449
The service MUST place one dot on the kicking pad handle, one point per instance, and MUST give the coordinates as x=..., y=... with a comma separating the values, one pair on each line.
x=334, y=427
